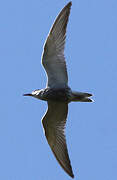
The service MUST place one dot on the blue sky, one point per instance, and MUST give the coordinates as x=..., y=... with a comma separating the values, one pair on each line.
x=91, y=54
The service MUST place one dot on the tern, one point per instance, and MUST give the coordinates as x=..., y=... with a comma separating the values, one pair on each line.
x=57, y=92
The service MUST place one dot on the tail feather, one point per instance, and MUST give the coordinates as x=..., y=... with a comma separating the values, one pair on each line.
x=86, y=100
x=82, y=97
x=87, y=94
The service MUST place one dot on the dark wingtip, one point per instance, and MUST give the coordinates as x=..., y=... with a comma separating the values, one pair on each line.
x=72, y=175
x=69, y=4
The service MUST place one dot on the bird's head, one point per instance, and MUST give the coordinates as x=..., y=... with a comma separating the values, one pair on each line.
x=35, y=93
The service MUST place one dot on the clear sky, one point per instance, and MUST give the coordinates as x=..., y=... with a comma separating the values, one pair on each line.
x=91, y=54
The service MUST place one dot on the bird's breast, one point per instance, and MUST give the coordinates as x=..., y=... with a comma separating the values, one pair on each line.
x=61, y=94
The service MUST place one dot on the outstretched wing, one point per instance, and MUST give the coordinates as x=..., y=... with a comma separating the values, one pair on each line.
x=53, y=58
x=54, y=125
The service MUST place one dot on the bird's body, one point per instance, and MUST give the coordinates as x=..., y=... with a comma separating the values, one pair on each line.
x=53, y=94
x=60, y=94
x=57, y=92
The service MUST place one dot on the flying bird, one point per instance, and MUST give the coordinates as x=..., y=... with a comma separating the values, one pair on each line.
x=57, y=92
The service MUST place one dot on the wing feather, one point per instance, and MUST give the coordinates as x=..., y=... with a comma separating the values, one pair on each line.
x=53, y=58
x=54, y=125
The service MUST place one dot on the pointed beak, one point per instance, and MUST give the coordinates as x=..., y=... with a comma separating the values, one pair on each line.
x=27, y=94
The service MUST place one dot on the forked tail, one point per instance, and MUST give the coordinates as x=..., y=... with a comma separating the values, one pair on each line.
x=81, y=97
